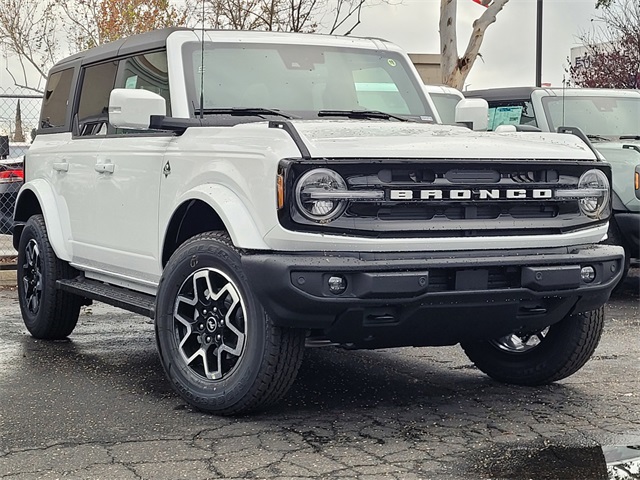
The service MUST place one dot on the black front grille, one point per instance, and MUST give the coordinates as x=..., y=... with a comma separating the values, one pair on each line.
x=449, y=198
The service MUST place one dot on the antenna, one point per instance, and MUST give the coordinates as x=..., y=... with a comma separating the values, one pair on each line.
x=564, y=83
x=202, y=66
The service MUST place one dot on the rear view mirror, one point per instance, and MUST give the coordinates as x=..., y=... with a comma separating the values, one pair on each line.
x=132, y=108
x=473, y=113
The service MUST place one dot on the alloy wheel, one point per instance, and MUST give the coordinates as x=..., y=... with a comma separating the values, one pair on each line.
x=520, y=343
x=32, y=277
x=209, y=324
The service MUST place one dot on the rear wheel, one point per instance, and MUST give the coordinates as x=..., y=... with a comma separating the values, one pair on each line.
x=219, y=348
x=542, y=357
x=48, y=313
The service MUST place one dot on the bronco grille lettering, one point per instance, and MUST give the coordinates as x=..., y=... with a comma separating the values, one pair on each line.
x=482, y=194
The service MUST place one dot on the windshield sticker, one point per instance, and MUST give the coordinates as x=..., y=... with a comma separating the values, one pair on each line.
x=375, y=87
x=391, y=62
x=132, y=82
x=504, y=116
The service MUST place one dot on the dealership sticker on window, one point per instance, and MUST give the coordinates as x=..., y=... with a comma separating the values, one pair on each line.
x=504, y=116
x=391, y=62
x=132, y=82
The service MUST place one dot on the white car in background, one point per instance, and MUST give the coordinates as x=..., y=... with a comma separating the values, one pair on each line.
x=444, y=100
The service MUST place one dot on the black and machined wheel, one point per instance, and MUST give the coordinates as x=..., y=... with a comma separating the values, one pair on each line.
x=48, y=313
x=539, y=358
x=218, y=347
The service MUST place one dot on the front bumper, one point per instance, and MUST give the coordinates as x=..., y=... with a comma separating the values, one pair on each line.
x=399, y=299
x=629, y=226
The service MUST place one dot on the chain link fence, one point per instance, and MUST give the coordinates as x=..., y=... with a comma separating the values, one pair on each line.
x=19, y=113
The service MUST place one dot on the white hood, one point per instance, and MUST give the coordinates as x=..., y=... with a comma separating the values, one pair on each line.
x=388, y=139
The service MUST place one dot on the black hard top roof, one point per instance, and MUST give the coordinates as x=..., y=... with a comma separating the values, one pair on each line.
x=498, y=94
x=152, y=40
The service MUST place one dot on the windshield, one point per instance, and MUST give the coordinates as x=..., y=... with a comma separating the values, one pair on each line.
x=602, y=116
x=302, y=79
x=446, y=106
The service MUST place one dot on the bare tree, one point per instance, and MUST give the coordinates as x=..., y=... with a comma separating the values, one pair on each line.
x=37, y=33
x=28, y=34
x=612, y=58
x=336, y=16
x=455, y=68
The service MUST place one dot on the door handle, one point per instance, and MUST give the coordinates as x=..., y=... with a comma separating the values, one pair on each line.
x=104, y=167
x=61, y=166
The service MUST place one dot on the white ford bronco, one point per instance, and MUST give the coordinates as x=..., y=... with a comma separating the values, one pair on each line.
x=255, y=192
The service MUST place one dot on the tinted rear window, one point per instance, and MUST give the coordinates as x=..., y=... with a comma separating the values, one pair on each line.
x=56, y=99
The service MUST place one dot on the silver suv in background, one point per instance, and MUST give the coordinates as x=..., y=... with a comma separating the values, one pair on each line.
x=611, y=120
x=445, y=100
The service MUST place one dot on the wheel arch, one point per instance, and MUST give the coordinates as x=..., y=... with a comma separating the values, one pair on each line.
x=36, y=198
x=210, y=208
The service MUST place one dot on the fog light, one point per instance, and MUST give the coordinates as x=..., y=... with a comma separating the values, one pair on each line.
x=588, y=274
x=337, y=284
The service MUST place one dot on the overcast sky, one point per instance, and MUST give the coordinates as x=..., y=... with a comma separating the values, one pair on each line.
x=508, y=50
x=509, y=45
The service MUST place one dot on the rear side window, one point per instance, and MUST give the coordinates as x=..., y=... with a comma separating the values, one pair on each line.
x=56, y=100
x=93, y=109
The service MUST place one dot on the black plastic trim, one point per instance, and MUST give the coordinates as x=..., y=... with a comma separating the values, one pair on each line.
x=518, y=285
x=120, y=297
x=629, y=226
x=294, y=134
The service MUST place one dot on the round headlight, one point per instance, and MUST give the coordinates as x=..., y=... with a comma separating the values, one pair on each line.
x=596, y=180
x=314, y=195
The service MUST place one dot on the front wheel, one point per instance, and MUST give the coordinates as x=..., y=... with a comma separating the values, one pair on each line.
x=218, y=347
x=542, y=357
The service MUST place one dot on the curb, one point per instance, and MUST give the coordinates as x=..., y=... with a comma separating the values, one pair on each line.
x=8, y=278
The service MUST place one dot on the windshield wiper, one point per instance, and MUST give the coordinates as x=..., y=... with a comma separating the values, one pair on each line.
x=249, y=111
x=598, y=137
x=361, y=114
x=629, y=137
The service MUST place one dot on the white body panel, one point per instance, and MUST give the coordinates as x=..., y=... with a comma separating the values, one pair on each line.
x=110, y=208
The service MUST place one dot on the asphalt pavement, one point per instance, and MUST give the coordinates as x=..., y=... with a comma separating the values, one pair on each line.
x=97, y=406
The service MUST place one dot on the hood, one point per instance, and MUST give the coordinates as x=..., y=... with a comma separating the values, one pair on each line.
x=386, y=139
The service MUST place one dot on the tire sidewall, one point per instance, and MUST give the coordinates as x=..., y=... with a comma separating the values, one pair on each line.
x=534, y=366
x=35, y=323
x=205, y=393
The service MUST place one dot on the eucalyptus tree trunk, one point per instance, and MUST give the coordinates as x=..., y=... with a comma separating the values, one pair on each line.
x=455, y=68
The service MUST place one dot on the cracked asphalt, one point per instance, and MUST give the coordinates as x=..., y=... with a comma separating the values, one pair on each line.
x=97, y=406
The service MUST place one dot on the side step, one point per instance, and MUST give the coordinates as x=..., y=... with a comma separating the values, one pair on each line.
x=120, y=297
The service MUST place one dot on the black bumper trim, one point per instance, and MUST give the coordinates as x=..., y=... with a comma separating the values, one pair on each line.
x=629, y=225
x=401, y=293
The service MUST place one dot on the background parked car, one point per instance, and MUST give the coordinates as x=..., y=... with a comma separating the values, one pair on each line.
x=611, y=120
x=444, y=101
x=11, y=179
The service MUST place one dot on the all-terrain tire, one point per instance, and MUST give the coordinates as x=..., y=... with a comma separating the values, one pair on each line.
x=218, y=347
x=48, y=313
x=564, y=349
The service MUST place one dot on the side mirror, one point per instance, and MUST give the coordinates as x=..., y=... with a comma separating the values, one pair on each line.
x=132, y=108
x=473, y=112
